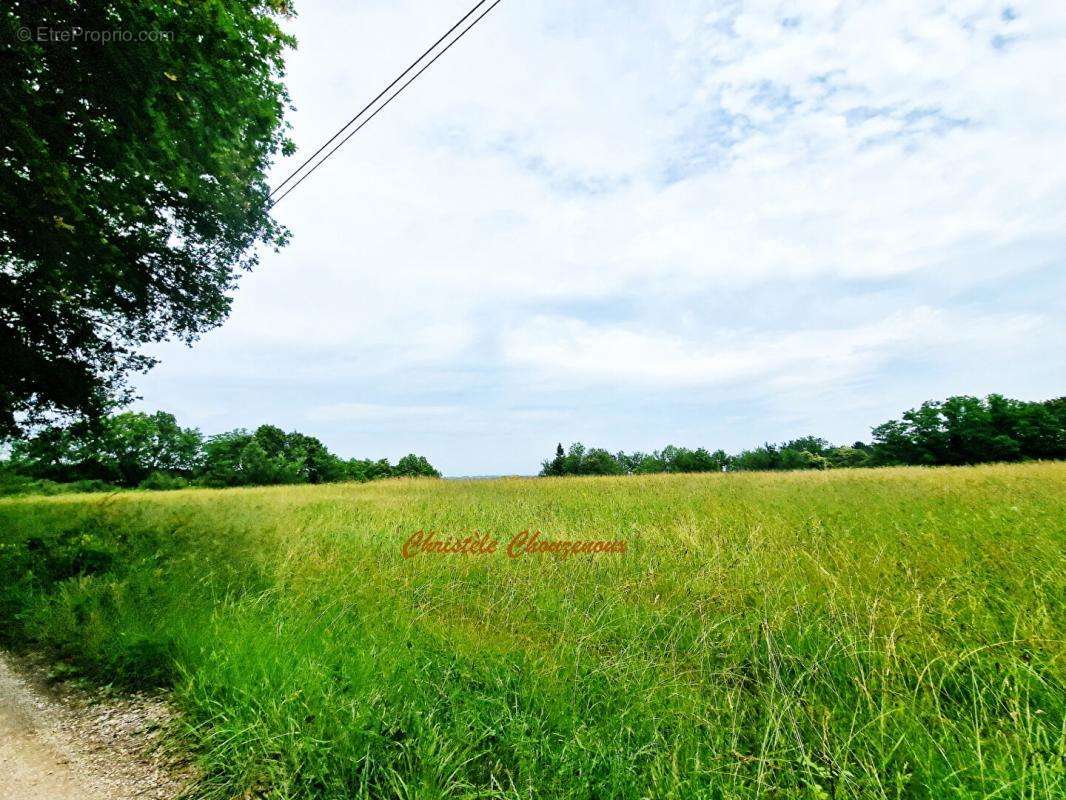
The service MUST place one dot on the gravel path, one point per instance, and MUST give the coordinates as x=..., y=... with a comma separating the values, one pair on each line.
x=70, y=744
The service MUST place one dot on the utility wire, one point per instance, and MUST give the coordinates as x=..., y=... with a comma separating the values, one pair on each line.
x=396, y=94
x=344, y=127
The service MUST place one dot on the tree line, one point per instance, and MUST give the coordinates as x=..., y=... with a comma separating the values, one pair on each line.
x=152, y=451
x=955, y=431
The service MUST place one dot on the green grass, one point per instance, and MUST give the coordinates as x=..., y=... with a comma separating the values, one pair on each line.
x=860, y=634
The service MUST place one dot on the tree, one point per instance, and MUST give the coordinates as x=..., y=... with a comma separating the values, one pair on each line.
x=135, y=445
x=598, y=461
x=132, y=186
x=124, y=449
x=239, y=458
x=958, y=430
x=763, y=457
x=363, y=470
x=641, y=463
x=318, y=464
x=800, y=459
x=968, y=430
x=815, y=445
x=412, y=466
x=272, y=439
x=555, y=466
x=579, y=461
x=681, y=459
x=222, y=458
x=152, y=451
x=255, y=466
x=840, y=457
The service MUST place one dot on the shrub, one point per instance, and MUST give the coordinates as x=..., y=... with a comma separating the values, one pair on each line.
x=160, y=481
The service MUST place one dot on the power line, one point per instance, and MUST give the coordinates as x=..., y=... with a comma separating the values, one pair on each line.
x=396, y=94
x=362, y=111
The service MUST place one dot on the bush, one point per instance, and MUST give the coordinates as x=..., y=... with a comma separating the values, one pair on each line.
x=36, y=564
x=161, y=482
x=14, y=483
x=89, y=485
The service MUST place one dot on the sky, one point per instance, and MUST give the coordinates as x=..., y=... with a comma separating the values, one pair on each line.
x=633, y=224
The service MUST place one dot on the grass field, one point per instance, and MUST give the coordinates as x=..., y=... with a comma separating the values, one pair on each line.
x=859, y=634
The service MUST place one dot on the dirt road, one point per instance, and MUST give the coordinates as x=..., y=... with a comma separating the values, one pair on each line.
x=70, y=745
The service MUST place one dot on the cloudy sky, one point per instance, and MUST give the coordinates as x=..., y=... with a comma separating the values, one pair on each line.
x=640, y=223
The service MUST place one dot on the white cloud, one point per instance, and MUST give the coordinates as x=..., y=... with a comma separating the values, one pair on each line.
x=376, y=412
x=577, y=352
x=578, y=188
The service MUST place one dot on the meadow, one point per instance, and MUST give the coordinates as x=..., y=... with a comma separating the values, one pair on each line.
x=889, y=633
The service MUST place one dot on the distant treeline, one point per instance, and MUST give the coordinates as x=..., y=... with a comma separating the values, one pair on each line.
x=959, y=430
x=151, y=451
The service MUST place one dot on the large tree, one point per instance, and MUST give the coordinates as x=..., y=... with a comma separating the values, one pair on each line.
x=134, y=140
x=969, y=430
x=123, y=449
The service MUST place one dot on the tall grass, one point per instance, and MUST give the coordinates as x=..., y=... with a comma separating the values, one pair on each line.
x=896, y=633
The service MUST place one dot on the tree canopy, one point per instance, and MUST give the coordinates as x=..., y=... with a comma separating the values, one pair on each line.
x=132, y=185
x=154, y=452
x=959, y=430
x=124, y=451
x=969, y=430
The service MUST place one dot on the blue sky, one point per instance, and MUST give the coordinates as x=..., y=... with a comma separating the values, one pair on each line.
x=641, y=223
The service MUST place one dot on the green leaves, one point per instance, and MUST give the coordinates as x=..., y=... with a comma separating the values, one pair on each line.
x=132, y=187
x=123, y=449
x=271, y=456
x=959, y=430
x=969, y=430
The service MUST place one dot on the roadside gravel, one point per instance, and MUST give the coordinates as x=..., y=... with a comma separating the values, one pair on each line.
x=65, y=742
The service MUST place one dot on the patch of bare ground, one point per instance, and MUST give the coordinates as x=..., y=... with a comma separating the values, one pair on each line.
x=64, y=741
